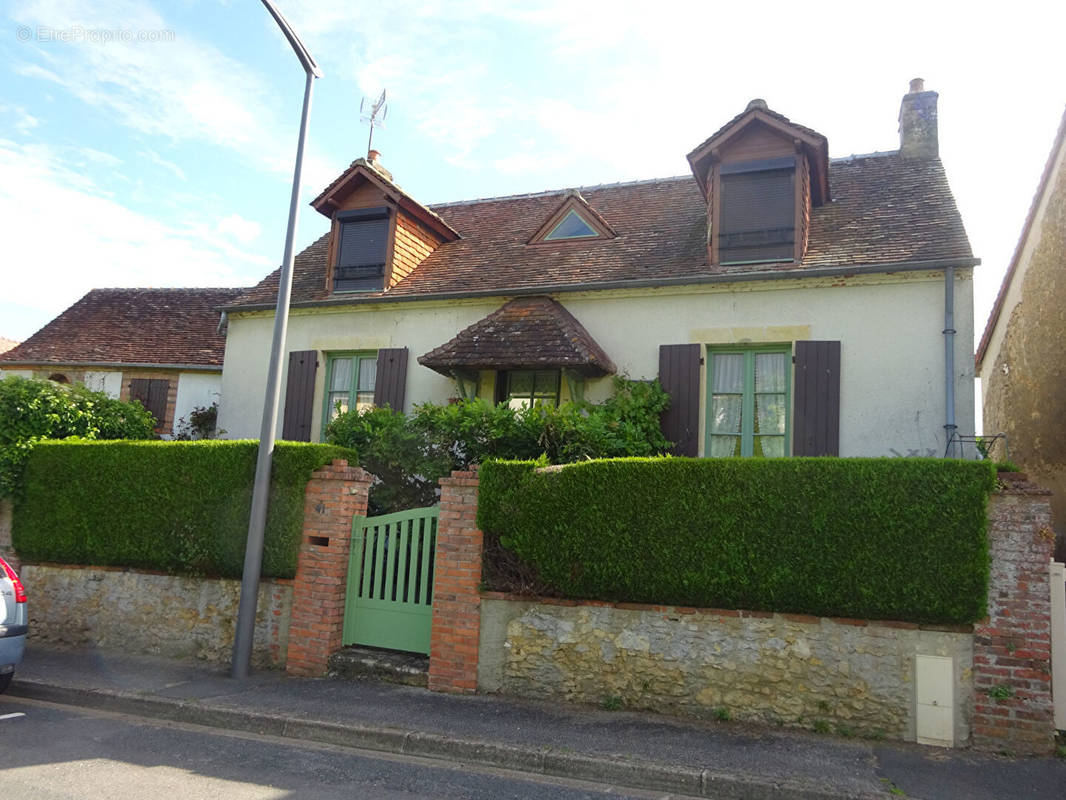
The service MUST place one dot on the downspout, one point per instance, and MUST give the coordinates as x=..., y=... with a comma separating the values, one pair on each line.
x=949, y=359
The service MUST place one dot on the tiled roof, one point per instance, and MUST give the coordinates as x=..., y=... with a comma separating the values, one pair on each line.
x=132, y=326
x=528, y=332
x=885, y=210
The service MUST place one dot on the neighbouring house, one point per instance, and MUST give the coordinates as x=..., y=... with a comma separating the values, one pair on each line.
x=162, y=347
x=6, y=344
x=791, y=303
x=1020, y=358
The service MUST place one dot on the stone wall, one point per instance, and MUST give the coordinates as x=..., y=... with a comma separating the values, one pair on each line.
x=848, y=676
x=151, y=613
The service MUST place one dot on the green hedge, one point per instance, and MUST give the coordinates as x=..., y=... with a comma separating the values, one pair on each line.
x=174, y=506
x=896, y=539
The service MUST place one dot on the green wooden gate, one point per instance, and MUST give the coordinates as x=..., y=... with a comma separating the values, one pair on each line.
x=390, y=580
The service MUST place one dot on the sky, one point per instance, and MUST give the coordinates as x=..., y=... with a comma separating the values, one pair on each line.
x=151, y=143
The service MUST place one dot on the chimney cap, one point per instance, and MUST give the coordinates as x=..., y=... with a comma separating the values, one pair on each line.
x=374, y=156
x=917, y=85
x=757, y=103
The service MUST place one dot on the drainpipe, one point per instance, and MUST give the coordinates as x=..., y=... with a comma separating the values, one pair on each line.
x=949, y=358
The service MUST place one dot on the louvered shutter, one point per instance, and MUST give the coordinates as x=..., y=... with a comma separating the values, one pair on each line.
x=816, y=414
x=299, y=396
x=679, y=375
x=391, y=378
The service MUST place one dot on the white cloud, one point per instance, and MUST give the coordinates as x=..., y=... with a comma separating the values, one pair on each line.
x=245, y=231
x=23, y=121
x=100, y=242
x=158, y=160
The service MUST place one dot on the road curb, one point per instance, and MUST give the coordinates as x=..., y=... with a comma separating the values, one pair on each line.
x=633, y=773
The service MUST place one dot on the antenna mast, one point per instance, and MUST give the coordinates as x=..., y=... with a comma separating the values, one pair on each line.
x=374, y=115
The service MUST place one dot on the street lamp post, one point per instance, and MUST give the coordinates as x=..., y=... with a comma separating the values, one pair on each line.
x=253, y=553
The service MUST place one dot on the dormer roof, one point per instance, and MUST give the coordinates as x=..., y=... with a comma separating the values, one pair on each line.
x=362, y=172
x=812, y=143
x=574, y=204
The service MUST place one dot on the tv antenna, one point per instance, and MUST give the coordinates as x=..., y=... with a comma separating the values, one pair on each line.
x=374, y=115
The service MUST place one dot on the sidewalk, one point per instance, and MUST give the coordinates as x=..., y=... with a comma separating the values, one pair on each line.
x=727, y=760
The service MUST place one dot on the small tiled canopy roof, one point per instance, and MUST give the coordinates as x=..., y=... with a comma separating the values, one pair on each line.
x=526, y=333
x=132, y=326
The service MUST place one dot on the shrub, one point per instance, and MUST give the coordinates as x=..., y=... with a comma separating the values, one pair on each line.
x=870, y=538
x=31, y=410
x=173, y=506
x=410, y=454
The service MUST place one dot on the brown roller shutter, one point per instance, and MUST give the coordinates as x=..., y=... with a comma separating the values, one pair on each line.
x=299, y=395
x=679, y=375
x=391, y=379
x=816, y=416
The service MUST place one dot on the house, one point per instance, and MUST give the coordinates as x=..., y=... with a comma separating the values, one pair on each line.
x=1020, y=358
x=791, y=303
x=6, y=344
x=160, y=346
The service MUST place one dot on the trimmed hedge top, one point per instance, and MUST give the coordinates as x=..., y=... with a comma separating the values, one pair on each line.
x=896, y=539
x=174, y=506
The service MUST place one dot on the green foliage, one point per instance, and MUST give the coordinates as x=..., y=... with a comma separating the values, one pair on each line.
x=410, y=454
x=870, y=538
x=611, y=702
x=1002, y=691
x=174, y=506
x=723, y=714
x=31, y=410
x=201, y=424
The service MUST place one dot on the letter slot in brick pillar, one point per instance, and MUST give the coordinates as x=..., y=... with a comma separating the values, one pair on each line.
x=934, y=693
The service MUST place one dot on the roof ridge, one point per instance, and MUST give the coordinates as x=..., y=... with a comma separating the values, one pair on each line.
x=853, y=156
x=548, y=192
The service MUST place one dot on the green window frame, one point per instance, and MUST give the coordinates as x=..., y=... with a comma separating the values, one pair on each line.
x=749, y=401
x=350, y=381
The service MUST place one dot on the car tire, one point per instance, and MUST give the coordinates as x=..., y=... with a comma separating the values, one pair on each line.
x=5, y=681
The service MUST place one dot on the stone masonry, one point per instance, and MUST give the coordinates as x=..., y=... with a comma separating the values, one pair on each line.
x=453, y=656
x=335, y=494
x=1012, y=648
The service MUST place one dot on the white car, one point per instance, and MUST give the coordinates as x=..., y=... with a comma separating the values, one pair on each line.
x=14, y=623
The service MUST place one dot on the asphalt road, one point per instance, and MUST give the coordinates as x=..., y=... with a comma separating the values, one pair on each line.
x=49, y=752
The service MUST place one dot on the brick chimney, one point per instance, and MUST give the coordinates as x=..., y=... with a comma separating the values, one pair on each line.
x=374, y=159
x=917, y=123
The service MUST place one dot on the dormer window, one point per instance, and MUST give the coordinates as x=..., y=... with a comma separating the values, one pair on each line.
x=758, y=211
x=572, y=226
x=363, y=236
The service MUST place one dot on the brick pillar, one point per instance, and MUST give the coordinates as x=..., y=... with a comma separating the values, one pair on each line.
x=335, y=494
x=1012, y=648
x=456, y=577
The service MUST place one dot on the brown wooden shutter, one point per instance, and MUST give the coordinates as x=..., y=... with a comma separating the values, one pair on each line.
x=679, y=375
x=816, y=416
x=391, y=379
x=152, y=394
x=299, y=395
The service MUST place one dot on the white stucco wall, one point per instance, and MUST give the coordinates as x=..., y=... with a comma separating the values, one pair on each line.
x=16, y=373
x=196, y=390
x=890, y=329
x=108, y=382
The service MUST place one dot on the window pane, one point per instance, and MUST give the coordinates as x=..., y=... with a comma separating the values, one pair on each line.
x=546, y=384
x=368, y=373
x=364, y=401
x=341, y=375
x=520, y=383
x=770, y=413
x=572, y=227
x=518, y=402
x=725, y=446
x=337, y=399
x=729, y=373
x=770, y=446
x=771, y=372
x=725, y=413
